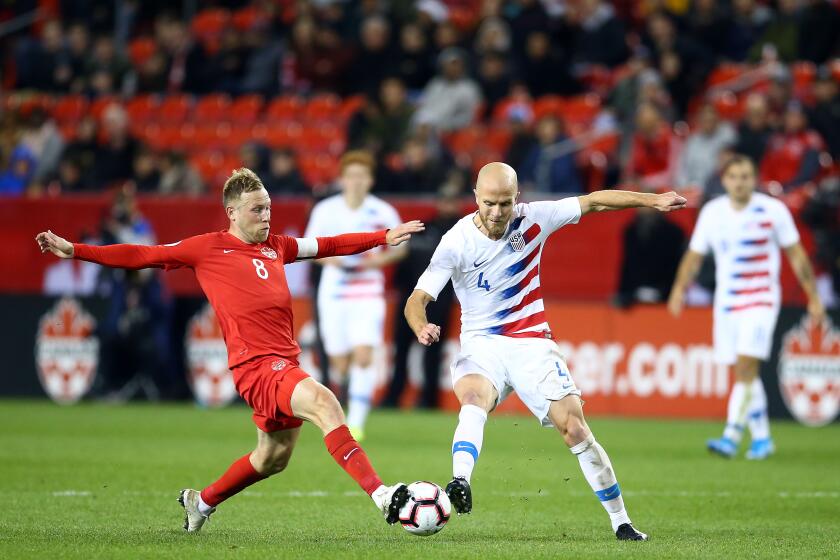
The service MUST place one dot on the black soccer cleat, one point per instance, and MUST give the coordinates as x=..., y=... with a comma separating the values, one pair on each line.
x=626, y=532
x=460, y=495
x=399, y=498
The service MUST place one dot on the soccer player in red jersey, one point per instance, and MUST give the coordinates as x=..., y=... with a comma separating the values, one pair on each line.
x=241, y=272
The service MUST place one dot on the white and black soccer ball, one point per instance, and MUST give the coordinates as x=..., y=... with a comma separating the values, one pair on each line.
x=427, y=511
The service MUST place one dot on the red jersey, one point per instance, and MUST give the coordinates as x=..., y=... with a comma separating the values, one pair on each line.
x=785, y=154
x=245, y=283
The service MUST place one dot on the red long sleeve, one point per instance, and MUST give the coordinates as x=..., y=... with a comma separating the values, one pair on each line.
x=349, y=243
x=135, y=256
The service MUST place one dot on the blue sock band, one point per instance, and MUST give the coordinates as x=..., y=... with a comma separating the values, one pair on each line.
x=610, y=493
x=467, y=447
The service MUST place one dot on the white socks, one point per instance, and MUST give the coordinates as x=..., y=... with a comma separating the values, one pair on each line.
x=203, y=508
x=466, y=443
x=598, y=472
x=736, y=411
x=360, y=394
x=757, y=412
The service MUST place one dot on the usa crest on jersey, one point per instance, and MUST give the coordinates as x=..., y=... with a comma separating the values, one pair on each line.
x=517, y=241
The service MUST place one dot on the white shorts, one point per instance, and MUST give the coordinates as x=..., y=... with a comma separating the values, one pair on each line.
x=348, y=323
x=744, y=333
x=533, y=367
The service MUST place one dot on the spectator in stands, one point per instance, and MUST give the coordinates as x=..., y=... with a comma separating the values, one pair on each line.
x=375, y=58
x=822, y=213
x=450, y=101
x=421, y=171
x=151, y=74
x=651, y=150
x=792, y=156
x=228, y=62
x=254, y=156
x=492, y=37
x=446, y=36
x=68, y=178
x=414, y=64
x=550, y=165
x=283, y=177
x=755, y=130
x=495, y=80
x=145, y=175
x=408, y=270
x=261, y=72
x=825, y=115
x=709, y=25
x=177, y=176
x=321, y=60
x=818, y=25
x=542, y=69
x=699, y=156
x=714, y=184
x=78, y=49
x=525, y=17
x=519, y=118
x=683, y=63
x=106, y=69
x=17, y=175
x=652, y=249
x=83, y=150
x=382, y=127
x=114, y=158
x=597, y=34
x=41, y=136
x=749, y=18
x=43, y=65
x=782, y=34
x=187, y=66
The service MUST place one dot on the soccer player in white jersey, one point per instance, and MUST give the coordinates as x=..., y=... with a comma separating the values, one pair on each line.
x=493, y=257
x=744, y=230
x=351, y=294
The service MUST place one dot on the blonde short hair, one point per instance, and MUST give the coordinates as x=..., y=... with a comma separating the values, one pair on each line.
x=241, y=181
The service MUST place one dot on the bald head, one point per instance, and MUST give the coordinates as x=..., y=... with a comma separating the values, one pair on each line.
x=496, y=190
x=497, y=176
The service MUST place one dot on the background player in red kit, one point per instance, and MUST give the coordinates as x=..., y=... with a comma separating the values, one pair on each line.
x=241, y=272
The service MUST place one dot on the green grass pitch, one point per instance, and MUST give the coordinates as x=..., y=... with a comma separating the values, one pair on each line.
x=98, y=481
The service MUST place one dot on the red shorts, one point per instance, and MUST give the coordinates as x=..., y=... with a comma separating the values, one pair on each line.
x=266, y=383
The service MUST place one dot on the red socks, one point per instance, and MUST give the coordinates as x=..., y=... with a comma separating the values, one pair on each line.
x=239, y=476
x=352, y=458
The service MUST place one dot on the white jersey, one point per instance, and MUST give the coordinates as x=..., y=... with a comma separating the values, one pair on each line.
x=746, y=245
x=498, y=282
x=331, y=217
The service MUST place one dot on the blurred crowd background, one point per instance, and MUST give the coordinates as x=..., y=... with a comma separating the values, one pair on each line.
x=167, y=97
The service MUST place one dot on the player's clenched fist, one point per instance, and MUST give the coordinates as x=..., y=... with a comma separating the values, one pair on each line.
x=429, y=334
x=668, y=201
x=403, y=232
x=58, y=246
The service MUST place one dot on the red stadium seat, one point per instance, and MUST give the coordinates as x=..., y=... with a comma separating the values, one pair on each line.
x=351, y=105
x=174, y=109
x=246, y=18
x=246, y=108
x=582, y=109
x=498, y=139
x=724, y=73
x=729, y=106
x=465, y=140
x=323, y=138
x=286, y=108
x=141, y=49
x=98, y=106
x=212, y=108
x=318, y=169
x=70, y=109
x=208, y=24
x=142, y=107
x=548, y=105
x=323, y=107
x=803, y=74
x=283, y=135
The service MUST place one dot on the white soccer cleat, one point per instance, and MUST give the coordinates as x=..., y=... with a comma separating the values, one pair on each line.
x=193, y=518
x=390, y=500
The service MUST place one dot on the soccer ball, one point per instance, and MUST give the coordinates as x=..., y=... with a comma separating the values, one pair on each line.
x=427, y=511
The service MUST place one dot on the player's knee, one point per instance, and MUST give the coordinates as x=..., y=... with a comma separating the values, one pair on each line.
x=573, y=429
x=326, y=410
x=271, y=462
x=476, y=398
x=363, y=356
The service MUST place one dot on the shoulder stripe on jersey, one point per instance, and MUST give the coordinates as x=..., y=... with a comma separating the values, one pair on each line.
x=521, y=285
x=523, y=263
x=753, y=258
x=531, y=233
x=514, y=225
x=530, y=297
x=519, y=325
x=748, y=306
x=746, y=291
x=756, y=274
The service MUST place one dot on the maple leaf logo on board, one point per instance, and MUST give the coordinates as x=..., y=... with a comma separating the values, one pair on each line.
x=209, y=377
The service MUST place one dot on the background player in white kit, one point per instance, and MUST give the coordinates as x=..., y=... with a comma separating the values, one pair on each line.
x=351, y=293
x=744, y=230
x=493, y=259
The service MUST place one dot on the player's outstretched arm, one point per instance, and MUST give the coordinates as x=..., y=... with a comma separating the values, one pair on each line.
x=415, y=313
x=600, y=201
x=801, y=266
x=686, y=273
x=49, y=242
x=353, y=243
x=121, y=255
